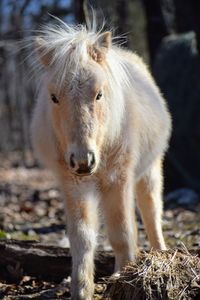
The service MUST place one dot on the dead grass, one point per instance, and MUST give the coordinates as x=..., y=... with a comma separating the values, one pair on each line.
x=172, y=274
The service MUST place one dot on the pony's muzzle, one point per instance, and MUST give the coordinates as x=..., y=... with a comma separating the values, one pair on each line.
x=84, y=165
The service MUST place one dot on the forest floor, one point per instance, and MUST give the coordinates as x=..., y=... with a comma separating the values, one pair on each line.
x=31, y=208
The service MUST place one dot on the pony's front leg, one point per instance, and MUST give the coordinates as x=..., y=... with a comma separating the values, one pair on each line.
x=118, y=206
x=82, y=228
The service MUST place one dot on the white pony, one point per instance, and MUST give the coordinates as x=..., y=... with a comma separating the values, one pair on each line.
x=101, y=125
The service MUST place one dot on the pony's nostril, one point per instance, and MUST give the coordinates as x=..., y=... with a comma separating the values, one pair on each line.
x=82, y=165
x=72, y=161
x=91, y=159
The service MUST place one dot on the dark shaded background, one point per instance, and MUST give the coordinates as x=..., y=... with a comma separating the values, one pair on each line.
x=166, y=33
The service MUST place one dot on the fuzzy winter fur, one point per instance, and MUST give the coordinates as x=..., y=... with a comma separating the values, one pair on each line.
x=127, y=130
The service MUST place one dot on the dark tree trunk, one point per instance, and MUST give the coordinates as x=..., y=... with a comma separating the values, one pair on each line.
x=123, y=17
x=187, y=19
x=159, y=14
x=79, y=11
x=196, y=20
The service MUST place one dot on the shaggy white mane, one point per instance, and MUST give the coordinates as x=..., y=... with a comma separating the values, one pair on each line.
x=68, y=47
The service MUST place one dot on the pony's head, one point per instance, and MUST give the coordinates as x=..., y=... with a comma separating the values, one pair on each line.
x=78, y=80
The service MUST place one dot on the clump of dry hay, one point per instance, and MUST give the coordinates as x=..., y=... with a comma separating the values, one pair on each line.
x=171, y=274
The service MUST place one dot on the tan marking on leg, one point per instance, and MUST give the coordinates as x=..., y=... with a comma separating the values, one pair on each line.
x=149, y=200
x=118, y=206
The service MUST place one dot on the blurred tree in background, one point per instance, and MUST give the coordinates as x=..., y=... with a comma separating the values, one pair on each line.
x=147, y=24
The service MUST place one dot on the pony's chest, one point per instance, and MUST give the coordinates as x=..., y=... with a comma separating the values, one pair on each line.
x=115, y=169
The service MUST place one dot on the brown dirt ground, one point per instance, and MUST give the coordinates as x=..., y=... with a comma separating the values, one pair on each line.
x=31, y=208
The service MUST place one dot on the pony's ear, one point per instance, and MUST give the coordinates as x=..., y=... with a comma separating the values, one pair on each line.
x=44, y=54
x=101, y=46
x=104, y=40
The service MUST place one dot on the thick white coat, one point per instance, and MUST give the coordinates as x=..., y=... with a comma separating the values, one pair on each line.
x=135, y=133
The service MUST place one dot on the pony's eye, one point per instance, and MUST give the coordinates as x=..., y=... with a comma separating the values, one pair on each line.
x=99, y=95
x=54, y=99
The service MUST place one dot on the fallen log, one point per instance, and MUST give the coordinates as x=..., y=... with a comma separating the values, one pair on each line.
x=50, y=263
